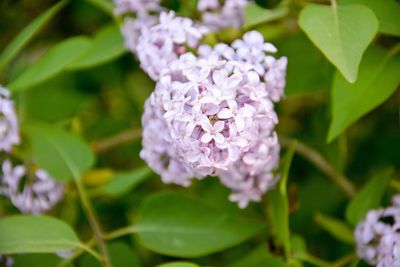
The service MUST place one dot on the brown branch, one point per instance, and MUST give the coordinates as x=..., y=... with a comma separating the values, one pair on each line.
x=323, y=165
x=125, y=137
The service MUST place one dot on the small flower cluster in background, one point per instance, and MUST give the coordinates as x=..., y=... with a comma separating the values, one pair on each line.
x=212, y=111
x=31, y=190
x=378, y=236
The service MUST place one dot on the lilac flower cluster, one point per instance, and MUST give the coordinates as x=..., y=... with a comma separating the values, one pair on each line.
x=378, y=236
x=219, y=15
x=217, y=117
x=212, y=111
x=38, y=192
x=9, y=127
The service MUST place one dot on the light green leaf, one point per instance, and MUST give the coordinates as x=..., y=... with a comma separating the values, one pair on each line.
x=64, y=155
x=369, y=197
x=121, y=255
x=107, y=45
x=387, y=12
x=35, y=234
x=278, y=208
x=378, y=79
x=342, y=34
x=178, y=264
x=255, y=15
x=259, y=257
x=52, y=63
x=338, y=229
x=123, y=183
x=176, y=225
x=27, y=34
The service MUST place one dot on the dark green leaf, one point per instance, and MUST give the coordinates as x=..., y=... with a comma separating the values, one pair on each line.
x=369, y=196
x=338, y=229
x=177, y=225
x=341, y=33
x=259, y=257
x=178, y=264
x=107, y=45
x=387, y=12
x=27, y=34
x=52, y=63
x=378, y=79
x=64, y=155
x=42, y=260
x=121, y=255
x=35, y=234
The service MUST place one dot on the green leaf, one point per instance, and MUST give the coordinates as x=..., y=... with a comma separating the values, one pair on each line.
x=107, y=45
x=341, y=33
x=178, y=264
x=338, y=229
x=259, y=257
x=105, y=5
x=319, y=71
x=64, y=155
x=27, y=34
x=121, y=255
x=387, y=12
x=369, y=197
x=278, y=208
x=122, y=183
x=60, y=95
x=255, y=15
x=52, y=63
x=30, y=260
x=35, y=234
x=176, y=225
x=378, y=79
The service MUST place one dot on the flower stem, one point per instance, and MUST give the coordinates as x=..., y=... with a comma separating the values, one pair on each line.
x=94, y=223
x=121, y=138
x=323, y=165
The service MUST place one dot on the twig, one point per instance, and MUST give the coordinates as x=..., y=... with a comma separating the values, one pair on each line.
x=323, y=165
x=121, y=138
x=94, y=223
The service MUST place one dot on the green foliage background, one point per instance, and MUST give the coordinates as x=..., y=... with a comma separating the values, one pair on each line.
x=80, y=99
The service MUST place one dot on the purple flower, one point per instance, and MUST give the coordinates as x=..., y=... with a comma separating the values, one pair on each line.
x=9, y=126
x=39, y=193
x=139, y=7
x=378, y=237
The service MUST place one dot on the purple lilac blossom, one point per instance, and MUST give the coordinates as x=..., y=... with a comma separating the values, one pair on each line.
x=39, y=193
x=256, y=55
x=9, y=126
x=217, y=15
x=160, y=44
x=217, y=118
x=378, y=236
x=140, y=7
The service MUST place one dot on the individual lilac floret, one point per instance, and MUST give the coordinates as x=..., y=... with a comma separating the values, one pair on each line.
x=132, y=28
x=217, y=15
x=159, y=45
x=255, y=54
x=378, y=237
x=36, y=194
x=139, y=7
x=9, y=127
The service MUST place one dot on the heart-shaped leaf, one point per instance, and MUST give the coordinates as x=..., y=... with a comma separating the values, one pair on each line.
x=342, y=33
